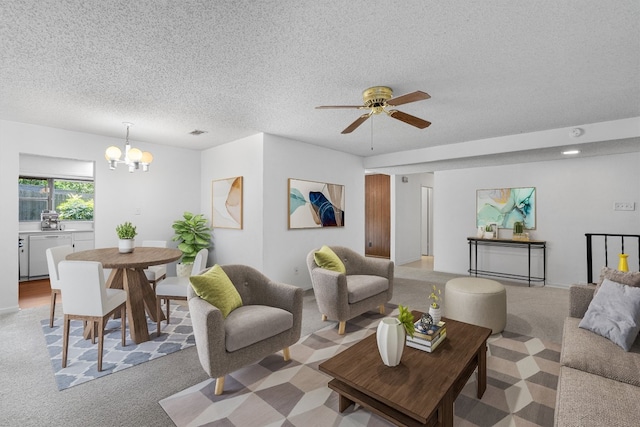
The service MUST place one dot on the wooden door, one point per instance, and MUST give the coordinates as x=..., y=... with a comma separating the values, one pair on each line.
x=377, y=214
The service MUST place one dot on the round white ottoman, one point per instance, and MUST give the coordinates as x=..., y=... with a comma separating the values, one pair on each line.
x=481, y=302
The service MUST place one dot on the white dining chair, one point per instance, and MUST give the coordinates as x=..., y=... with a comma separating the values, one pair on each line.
x=155, y=273
x=176, y=287
x=87, y=298
x=54, y=256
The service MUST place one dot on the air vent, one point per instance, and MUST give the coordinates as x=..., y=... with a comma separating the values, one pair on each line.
x=197, y=132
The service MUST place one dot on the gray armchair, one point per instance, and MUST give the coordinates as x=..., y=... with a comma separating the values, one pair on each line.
x=269, y=320
x=367, y=284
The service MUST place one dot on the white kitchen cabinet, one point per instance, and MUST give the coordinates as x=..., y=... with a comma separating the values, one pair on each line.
x=38, y=245
x=83, y=240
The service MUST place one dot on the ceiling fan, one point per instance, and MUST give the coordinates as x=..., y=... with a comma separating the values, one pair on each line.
x=376, y=99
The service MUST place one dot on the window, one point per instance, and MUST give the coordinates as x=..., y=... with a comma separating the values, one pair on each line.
x=72, y=199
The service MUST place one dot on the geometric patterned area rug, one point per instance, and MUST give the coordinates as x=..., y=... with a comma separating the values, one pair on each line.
x=82, y=358
x=522, y=376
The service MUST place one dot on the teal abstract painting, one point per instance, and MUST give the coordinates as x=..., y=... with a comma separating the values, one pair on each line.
x=315, y=204
x=504, y=206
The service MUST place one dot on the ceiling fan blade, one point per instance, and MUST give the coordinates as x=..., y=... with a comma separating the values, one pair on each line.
x=410, y=97
x=353, y=126
x=322, y=107
x=409, y=119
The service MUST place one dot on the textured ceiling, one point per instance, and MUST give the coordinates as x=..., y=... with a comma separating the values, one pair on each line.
x=233, y=68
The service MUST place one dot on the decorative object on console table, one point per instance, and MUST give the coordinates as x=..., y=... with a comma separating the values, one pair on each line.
x=192, y=235
x=518, y=231
x=488, y=232
x=126, y=233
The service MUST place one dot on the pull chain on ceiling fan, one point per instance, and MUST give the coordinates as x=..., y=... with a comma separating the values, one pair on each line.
x=377, y=99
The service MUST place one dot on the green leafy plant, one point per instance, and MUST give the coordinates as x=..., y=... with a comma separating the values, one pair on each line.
x=76, y=208
x=435, y=297
x=126, y=231
x=406, y=319
x=518, y=227
x=192, y=235
x=488, y=228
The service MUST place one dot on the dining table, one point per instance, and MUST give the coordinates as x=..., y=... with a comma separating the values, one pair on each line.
x=127, y=272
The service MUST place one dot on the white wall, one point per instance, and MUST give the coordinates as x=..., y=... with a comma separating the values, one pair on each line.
x=171, y=187
x=407, y=224
x=266, y=162
x=285, y=251
x=574, y=196
x=239, y=158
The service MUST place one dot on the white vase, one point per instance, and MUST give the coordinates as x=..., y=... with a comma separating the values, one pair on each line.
x=125, y=246
x=183, y=270
x=391, y=339
x=436, y=314
x=488, y=234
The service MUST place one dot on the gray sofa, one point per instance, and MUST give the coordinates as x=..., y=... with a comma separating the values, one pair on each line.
x=599, y=383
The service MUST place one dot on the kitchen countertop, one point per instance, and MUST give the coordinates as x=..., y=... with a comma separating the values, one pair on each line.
x=66, y=230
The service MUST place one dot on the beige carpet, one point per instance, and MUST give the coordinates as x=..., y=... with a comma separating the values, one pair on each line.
x=522, y=379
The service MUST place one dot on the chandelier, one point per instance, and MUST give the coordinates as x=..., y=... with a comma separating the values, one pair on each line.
x=133, y=157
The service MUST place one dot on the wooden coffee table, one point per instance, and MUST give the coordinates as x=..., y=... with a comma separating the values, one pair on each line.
x=421, y=390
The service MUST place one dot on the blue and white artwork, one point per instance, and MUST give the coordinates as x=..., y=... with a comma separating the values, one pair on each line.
x=504, y=206
x=315, y=204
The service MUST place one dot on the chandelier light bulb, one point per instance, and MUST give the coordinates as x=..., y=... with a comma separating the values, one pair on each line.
x=146, y=157
x=113, y=153
x=134, y=155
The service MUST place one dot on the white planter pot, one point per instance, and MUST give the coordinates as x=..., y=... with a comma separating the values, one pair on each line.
x=391, y=339
x=488, y=234
x=183, y=270
x=436, y=314
x=125, y=246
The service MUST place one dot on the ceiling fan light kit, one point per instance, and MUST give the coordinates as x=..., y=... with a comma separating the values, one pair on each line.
x=377, y=99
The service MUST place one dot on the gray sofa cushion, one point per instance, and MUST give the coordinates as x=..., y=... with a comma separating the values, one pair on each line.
x=252, y=323
x=580, y=398
x=361, y=286
x=589, y=352
x=614, y=313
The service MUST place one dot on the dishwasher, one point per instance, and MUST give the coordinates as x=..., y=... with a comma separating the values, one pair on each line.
x=38, y=245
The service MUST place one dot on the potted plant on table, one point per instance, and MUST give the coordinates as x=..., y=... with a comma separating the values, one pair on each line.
x=488, y=232
x=192, y=235
x=126, y=234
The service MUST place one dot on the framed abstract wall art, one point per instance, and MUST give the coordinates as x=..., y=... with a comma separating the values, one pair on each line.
x=504, y=206
x=315, y=204
x=226, y=203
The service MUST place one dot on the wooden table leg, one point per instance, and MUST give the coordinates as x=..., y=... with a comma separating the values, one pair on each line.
x=446, y=410
x=148, y=296
x=343, y=403
x=482, y=370
x=135, y=306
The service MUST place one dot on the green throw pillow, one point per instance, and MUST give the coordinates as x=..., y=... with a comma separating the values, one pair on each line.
x=215, y=287
x=326, y=258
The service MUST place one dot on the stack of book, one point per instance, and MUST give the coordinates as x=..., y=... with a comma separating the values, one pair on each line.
x=427, y=340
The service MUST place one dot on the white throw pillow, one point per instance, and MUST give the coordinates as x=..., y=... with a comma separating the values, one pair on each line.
x=614, y=313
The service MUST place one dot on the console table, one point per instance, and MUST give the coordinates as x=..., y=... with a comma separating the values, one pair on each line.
x=474, y=242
